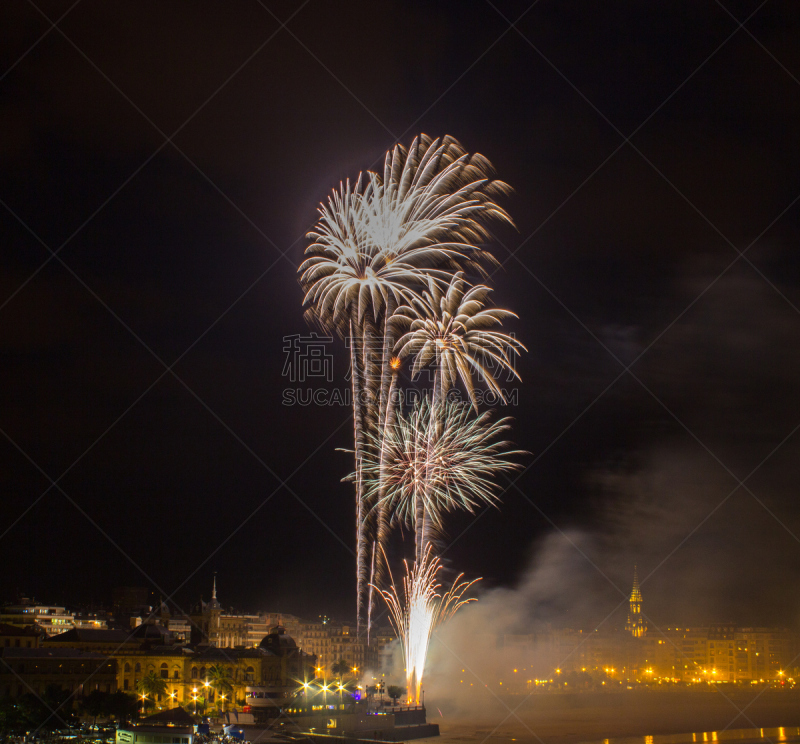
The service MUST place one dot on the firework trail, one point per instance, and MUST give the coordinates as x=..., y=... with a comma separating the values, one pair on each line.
x=451, y=329
x=419, y=611
x=377, y=244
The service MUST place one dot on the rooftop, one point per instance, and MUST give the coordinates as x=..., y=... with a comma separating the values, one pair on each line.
x=20, y=630
x=92, y=635
x=49, y=653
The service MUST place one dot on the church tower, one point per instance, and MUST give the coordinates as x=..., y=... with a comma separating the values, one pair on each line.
x=214, y=610
x=635, y=625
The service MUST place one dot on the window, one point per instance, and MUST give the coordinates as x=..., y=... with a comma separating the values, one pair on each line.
x=125, y=685
x=194, y=672
x=138, y=667
x=175, y=674
x=164, y=673
x=127, y=667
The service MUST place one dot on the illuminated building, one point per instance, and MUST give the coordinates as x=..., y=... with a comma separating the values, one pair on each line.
x=331, y=642
x=175, y=726
x=50, y=618
x=635, y=625
x=262, y=677
x=211, y=624
x=722, y=652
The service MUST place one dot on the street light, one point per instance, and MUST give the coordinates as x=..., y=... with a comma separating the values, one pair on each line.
x=194, y=697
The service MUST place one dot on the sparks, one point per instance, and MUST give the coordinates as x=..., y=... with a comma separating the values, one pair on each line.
x=452, y=470
x=379, y=242
x=419, y=611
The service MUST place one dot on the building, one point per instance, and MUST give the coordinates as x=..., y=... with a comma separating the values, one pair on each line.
x=127, y=601
x=19, y=636
x=50, y=618
x=175, y=726
x=33, y=670
x=761, y=653
x=102, y=641
x=212, y=625
x=263, y=677
x=722, y=652
x=315, y=638
x=635, y=625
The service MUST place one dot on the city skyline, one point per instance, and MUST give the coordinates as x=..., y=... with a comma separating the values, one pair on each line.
x=173, y=162
x=628, y=616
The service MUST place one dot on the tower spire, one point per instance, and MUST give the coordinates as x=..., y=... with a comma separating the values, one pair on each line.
x=214, y=588
x=635, y=625
x=636, y=593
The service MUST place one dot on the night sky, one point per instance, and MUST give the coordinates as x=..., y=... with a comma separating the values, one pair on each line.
x=162, y=163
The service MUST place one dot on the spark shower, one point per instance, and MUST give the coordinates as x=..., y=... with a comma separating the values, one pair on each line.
x=389, y=269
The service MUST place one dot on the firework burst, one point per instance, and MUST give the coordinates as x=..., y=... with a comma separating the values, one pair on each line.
x=419, y=611
x=379, y=242
x=454, y=469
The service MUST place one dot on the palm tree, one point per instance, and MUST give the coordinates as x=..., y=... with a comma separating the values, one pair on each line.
x=219, y=678
x=150, y=687
x=340, y=668
x=376, y=244
x=450, y=329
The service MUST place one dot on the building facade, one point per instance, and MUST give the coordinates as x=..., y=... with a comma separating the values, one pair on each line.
x=33, y=670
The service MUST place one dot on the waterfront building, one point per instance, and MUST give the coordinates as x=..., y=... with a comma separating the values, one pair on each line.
x=175, y=726
x=263, y=677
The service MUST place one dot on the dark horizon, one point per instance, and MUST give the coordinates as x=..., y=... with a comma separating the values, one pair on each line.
x=656, y=185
